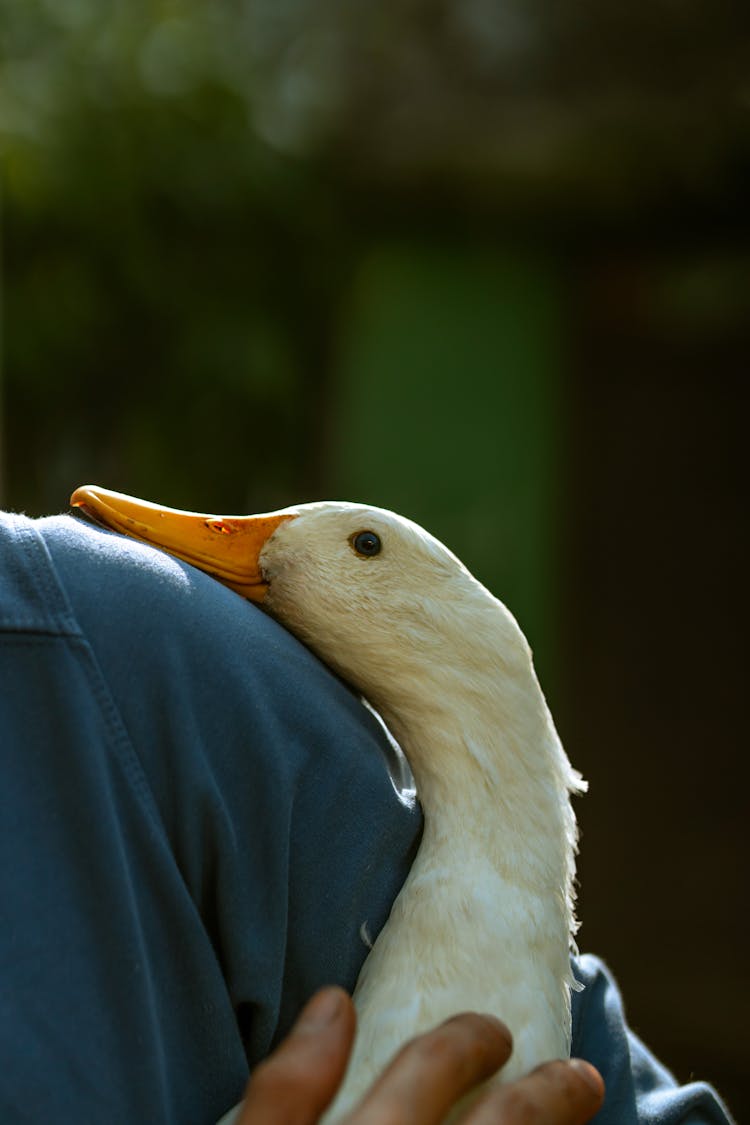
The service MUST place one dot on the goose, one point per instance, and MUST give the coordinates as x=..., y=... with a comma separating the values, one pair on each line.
x=485, y=919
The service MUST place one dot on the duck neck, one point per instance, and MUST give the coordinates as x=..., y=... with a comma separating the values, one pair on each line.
x=491, y=775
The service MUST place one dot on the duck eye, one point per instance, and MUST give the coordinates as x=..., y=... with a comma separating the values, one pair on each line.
x=366, y=543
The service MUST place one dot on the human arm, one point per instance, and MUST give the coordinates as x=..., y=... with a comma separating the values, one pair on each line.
x=640, y=1089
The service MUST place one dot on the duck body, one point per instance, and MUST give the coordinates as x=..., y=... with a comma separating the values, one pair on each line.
x=472, y=929
x=485, y=919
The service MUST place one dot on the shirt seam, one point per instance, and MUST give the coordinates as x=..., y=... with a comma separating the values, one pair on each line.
x=57, y=621
x=54, y=616
x=120, y=739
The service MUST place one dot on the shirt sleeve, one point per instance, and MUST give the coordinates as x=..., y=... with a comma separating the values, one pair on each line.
x=639, y=1090
x=198, y=823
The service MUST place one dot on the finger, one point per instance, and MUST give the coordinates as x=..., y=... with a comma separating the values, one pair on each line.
x=430, y=1074
x=563, y=1092
x=295, y=1084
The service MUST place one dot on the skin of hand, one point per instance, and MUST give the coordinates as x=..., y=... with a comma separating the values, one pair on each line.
x=423, y=1082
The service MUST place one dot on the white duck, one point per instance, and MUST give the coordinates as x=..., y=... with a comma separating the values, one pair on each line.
x=485, y=920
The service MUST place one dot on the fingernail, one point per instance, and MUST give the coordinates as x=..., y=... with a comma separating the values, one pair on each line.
x=590, y=1075
x=325, y=1007
x=501, y=1027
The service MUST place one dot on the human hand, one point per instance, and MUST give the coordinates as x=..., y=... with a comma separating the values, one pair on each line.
x=425, y=1080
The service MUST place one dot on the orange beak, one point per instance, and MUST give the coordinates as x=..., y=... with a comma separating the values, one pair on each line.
x=226, y=547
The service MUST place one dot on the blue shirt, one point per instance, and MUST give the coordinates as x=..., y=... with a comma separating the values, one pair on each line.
x=198, y=824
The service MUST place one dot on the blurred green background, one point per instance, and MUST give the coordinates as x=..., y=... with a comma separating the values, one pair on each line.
x=486, y=263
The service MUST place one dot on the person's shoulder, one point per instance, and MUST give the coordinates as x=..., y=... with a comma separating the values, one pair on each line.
x=147, y=615
x=102, y=569
x=118, y=587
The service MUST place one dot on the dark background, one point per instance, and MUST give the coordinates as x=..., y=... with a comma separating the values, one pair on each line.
x=487, y=264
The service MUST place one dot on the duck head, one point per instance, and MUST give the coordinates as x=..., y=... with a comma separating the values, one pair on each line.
x=379, y=599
